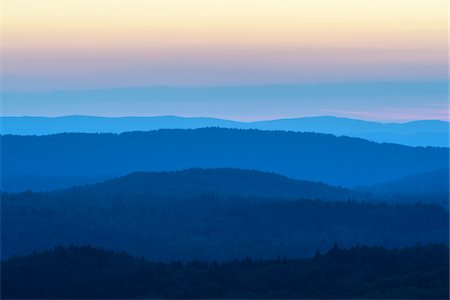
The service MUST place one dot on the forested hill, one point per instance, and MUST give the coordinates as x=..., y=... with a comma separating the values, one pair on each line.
x=226, y=181
x=316, y=157
x=210, y=226
x=84, y=272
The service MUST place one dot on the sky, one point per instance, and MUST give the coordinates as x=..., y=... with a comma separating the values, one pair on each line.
x=80, y=45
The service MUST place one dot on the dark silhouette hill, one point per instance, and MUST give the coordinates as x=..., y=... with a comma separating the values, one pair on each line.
x=316, y=157
x=416, y=133
x=420, y=272
x=231, y=182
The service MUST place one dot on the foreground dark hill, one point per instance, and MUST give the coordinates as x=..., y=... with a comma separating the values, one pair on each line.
x=316, y=157
x=230, y=182
x=417, y=133
x=84, y=272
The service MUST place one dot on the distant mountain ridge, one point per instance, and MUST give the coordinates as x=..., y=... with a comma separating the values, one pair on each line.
x=416, y=133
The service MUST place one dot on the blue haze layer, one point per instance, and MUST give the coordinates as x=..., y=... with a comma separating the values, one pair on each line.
x=417, y=133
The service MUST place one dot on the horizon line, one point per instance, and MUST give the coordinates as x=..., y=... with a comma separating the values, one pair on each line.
x=224, y=119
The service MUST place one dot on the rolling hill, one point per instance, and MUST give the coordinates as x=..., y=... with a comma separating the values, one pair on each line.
x=316, y=157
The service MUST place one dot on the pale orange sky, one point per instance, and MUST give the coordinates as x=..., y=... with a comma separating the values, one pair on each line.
x=49, y=45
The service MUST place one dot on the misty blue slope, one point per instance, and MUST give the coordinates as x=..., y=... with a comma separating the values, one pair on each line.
x=421, y=184
x=91, y=124
x=433, y=186
x=417, y=133
x=311, y=156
